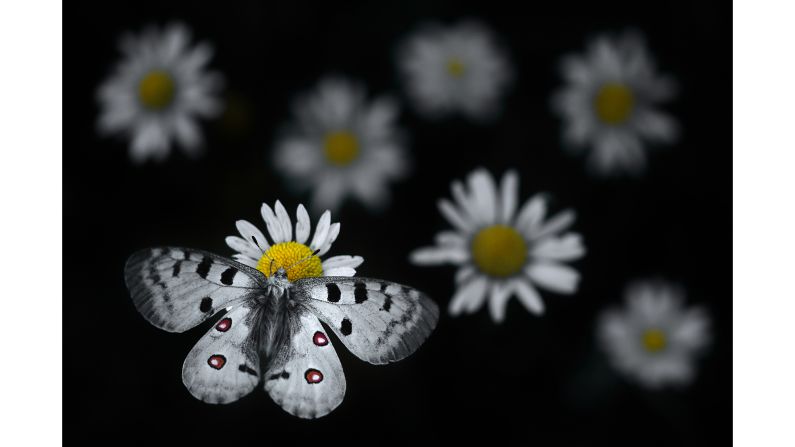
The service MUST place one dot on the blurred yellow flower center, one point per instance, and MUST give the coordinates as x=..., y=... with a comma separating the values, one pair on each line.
x=455, y=67
x=156, y=89
x=614, y=103
x=654, y=340
x=341, y=147
x=499, y=250
x=296, y=258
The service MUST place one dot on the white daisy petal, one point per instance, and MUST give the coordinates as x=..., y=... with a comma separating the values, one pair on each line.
x=657, y=127
x=556, y=224
x=464, y=273
x=566, y=248
x=244, y=247
x=188, y=134
x=298, y=157
x=284, y=221
x=463, y=201
x=553, y=276
x=450, y=238
x=342, y=261
x=274, y=226
x=340, y=271
x=693, y=329
x=302, y=225
x=438, y=255
x=452, y=215
x=333, y=232
x=469, y=296
x=531, y=214
x=508, y=196
x=485, y=195
x=329, y=193
x=321, y=231
x=500, y=293
x=252, y=233
x=528, y=296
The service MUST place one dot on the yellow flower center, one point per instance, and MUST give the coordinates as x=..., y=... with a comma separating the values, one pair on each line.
x=499, y=250
x=296, y=258
x=455, y=67
x=156, y=89
x=341, y=147
x=614, y=103
x=654, y=340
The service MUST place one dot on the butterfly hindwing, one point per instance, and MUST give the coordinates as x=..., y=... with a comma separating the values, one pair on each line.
x=175, y=289
x=378, y=321
x=223, y=366
x=305, y=377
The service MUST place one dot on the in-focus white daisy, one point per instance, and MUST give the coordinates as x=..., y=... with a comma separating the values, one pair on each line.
x=342, y=145
x=157, y=91
x=501, y=252
x=301, y=257
x=654, y=339
x=609, y=104
x=453, y=69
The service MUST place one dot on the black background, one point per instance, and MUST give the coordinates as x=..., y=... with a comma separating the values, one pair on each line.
x=532, y=380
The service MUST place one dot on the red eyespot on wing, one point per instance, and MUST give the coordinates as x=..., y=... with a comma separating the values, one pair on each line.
x=223, y=325
x=216, y=361
x=313, y=376
x=320, y=339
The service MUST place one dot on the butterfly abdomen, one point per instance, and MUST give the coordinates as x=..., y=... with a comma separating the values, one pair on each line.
x=272, y=329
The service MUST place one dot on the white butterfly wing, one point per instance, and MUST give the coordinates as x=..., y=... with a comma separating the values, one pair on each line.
x=175, y=289
x=378, y=321
x=224, y=366
x=305, y=377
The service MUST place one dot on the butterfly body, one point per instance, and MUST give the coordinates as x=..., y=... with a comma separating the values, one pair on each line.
x=271, y=334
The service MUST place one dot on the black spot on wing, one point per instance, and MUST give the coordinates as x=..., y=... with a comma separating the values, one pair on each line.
x=155, y=278
x=359, y=292
x=281, y=375
x=228, y=276
x=387, y=304
x=204, y=267
x=176, y=269
x=333, y=292
x=206, y=304
x=346, y=327
x=383, y=287
x=246, y=369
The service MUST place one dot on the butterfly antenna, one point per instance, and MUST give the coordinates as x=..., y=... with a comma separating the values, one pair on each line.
x=303, y=259
x=270, y=267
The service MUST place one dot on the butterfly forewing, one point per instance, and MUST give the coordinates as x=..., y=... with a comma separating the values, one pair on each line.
x=175, y=289
x=224, y=366
x=378, y=321
x=305, y=377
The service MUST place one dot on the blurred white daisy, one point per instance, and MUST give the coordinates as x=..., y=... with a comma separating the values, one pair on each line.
x=609, y=104
x=454, y=69
x=501, y=252
x=157, y=91
x=654, y=339
x=300, y=257
x=342, y=145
